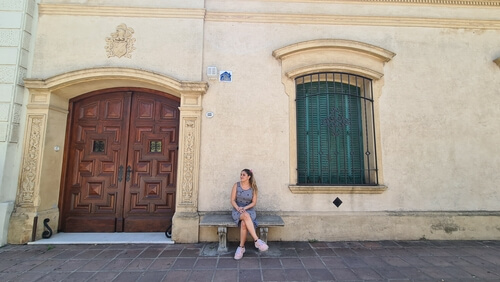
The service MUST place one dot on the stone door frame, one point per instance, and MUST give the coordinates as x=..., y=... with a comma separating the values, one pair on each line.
x=46, y=117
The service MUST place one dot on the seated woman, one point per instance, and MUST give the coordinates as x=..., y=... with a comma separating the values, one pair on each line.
x=243, y=200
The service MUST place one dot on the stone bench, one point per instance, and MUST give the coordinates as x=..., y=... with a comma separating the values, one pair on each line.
x=224, y=220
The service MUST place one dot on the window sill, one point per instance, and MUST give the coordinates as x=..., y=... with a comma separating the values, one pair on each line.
x=302, y=189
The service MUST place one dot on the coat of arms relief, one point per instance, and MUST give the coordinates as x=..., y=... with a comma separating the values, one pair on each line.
x=120, y=43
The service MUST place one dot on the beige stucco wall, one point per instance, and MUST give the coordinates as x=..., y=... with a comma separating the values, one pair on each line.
x=436, y=105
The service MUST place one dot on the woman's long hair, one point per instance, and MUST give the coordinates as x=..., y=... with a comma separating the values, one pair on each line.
x=253, y=183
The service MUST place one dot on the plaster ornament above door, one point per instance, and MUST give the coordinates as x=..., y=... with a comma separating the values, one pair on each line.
x=120, y=43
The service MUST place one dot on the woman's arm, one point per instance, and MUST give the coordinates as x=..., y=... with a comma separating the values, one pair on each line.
x=233, y=198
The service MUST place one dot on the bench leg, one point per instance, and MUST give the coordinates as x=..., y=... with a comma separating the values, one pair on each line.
x=222, y=231
x=263, y=233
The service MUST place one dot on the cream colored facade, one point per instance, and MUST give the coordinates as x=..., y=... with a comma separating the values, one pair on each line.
x=436, y=82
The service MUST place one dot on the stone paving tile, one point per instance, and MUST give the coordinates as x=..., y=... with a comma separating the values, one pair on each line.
x=334, y=262
x=116, y=265
x=390, y=273
x=226, y=275
x=54, y=276
x=344, y=252
x=325, y=252
x=177, y=275
x=266, y=263
x=151, y=253
x=249, y=263
x=160, y=264
x=202, y=275
x=344, y=274
x=250, y=275
x=71, y=265
x=108, y=254
x=312, y=262
x=273, y=275
x=375, y=262
x=285, y=261
x=205, y=263
x=87, y=254
x=128, y=276
x=367, y=273
x=139, y=264
x=184, y=263
x=291, y=263
x=297, y=275
x=320, y=274
x=225, y=263
x=414, y=273
x=355, y=262
x=151, y=276
x=103, y=276
x=437, y=272
x=78, y=276
x=170, y=253
x=48, y=265
x=396, y=261
x=190, y=252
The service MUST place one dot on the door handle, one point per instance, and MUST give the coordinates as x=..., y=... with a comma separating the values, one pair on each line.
x=120, y=173
x=129, y=170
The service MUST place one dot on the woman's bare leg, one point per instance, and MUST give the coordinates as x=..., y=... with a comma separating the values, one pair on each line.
x=243, y=233
x=245, y=217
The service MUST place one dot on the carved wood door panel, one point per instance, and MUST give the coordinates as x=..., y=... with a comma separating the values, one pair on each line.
x=122, y=158
x=152, y=159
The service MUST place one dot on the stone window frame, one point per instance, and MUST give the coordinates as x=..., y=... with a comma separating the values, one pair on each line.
x=331, y=55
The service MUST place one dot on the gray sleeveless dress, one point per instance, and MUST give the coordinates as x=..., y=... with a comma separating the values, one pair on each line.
x=243, y=198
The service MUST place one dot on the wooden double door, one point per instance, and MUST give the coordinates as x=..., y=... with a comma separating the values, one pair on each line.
x=121, y=161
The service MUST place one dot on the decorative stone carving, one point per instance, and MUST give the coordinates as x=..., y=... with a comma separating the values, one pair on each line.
x=29, y=171
x=188, y=168
x=121, y=43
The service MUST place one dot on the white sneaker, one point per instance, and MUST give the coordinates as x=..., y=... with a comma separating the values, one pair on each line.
x=259, y=244
x=239, y=253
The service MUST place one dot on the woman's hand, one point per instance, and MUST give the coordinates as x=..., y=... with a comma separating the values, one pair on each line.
x=241, y=210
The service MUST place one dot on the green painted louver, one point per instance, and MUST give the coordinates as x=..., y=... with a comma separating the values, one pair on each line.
x=330, y=147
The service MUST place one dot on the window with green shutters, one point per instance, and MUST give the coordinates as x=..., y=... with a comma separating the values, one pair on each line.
x=335, y=130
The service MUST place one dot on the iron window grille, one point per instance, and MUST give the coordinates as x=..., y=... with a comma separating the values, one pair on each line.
x=336, y=142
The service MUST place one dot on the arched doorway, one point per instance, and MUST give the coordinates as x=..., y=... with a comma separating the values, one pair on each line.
x=121, y=162
x=42, y=174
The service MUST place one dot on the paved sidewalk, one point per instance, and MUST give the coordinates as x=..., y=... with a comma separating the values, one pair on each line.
x=285, y=261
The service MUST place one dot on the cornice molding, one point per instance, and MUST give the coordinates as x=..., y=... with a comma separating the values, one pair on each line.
x=326, y=44
x=468, y=3
x=106, y=11
x=352, y=20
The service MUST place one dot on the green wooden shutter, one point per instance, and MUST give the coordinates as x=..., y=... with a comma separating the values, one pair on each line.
x=329, y=133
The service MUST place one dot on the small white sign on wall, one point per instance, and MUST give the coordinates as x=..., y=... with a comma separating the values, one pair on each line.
x=226, y=76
